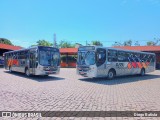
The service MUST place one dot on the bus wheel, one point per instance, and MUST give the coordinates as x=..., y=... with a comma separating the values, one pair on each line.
x=142, y=72
x=27, y=72
x=10, y=69
x=111, y=74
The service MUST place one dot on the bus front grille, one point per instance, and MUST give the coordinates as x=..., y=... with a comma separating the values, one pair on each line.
x=83, y=68
x=50, y=68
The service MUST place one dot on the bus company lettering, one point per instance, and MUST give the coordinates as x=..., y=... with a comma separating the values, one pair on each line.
x=119, y=65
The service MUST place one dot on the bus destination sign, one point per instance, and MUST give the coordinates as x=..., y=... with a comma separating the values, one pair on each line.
x=86, y=48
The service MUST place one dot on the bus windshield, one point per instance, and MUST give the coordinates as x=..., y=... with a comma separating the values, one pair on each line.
x=86, y=58
x=49, y=58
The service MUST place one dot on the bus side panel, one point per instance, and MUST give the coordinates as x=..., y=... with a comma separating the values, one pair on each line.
x=150, y=67
x=122, y=68
x=102, y=71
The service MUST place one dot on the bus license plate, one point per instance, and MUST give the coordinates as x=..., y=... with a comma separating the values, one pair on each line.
x=81, y=73
x=49, y=72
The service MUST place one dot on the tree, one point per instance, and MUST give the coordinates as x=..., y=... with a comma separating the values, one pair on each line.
x=43, y=43
x=137, y=43
x=96, y=42
x=66, y=44
x=150, y=43
x=5, y=41
x=77, y=45
x=127, y=43
x=153, y=43
x=117, y=44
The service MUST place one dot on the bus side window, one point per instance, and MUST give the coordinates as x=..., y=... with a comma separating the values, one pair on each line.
x=122, y=56
x=127, y=55
x=112, y=55
x=27, y=54
x=5, y=56
x=9, y=55
x=101, y=56
x=16, y=55
x=143, y=57
x=154, y=57
x=136, y=57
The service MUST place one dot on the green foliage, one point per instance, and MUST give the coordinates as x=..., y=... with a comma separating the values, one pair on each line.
x=65, y=44
x=5, y=41
x=153, y=43
x=96, y=42
x=126, y=43
x=117, y=44
x=43, y=43
x=136, y=43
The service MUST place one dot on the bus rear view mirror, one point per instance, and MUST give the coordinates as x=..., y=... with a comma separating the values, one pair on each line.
x=36, y=55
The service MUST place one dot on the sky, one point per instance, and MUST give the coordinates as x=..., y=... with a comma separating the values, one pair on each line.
x=26, y=21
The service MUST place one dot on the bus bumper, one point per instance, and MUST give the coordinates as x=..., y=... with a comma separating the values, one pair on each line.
x=88, y=73
x=42, y=72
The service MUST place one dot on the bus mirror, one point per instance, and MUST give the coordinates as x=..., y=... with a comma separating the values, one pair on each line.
x=36, y=55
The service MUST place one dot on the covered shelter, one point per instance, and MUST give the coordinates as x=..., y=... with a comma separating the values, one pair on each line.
x=68, y=57
x=5, y=48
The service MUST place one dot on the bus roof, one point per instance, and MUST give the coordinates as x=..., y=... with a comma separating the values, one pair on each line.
x=136, y=51
x=34, y=47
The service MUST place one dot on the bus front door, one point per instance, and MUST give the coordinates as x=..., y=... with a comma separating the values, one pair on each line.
x=101, y=65
x=32, y=62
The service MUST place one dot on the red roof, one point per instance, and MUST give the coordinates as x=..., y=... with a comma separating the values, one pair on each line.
x=9, y=47
x=140, y=48
x=68, y=50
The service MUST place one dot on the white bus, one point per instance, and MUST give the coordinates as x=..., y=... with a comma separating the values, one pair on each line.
x=97, y=61
x=39, y=60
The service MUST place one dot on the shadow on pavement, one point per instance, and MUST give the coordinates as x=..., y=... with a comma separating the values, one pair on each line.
x=1, y=66
x=120, y=80
x=35, y=77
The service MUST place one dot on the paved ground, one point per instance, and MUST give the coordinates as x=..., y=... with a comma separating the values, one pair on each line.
x=68, y=91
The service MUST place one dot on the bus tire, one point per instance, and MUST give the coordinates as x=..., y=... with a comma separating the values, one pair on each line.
x=111, y=74
x=10, y=69
x=142, y=72
x=27, y=72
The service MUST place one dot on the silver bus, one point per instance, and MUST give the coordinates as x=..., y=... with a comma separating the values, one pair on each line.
x=97, y=61
x=39, y=60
